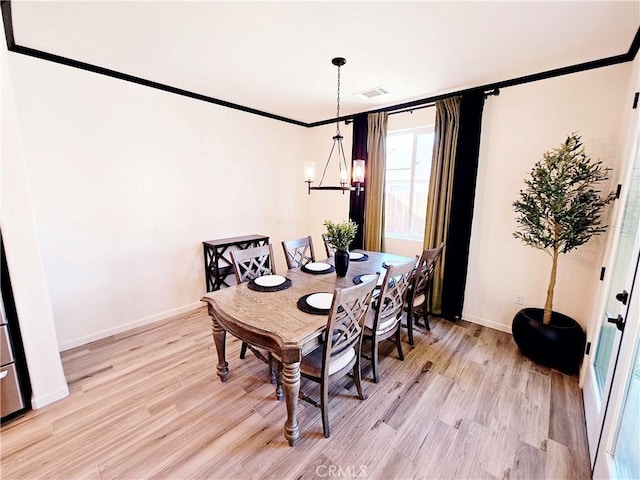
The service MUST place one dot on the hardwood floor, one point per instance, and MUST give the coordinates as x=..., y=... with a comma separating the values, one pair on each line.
x=148, y=404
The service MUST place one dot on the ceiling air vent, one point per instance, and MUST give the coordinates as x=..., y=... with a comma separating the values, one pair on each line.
x=371, y=93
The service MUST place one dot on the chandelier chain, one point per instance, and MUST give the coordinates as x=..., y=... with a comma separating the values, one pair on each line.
x=338, y=105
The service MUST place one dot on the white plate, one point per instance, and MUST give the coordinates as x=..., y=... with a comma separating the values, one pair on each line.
x=366, y=278
x=321, y=301
x=317, y=266
x=270, y=280
x=355, y=255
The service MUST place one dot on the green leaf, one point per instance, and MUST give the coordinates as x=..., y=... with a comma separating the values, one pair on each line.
x=340, y=235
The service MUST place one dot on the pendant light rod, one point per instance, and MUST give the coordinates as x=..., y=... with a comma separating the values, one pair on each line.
x=338, y=62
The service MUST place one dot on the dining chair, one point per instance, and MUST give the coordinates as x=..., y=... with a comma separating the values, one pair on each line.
x=330, y=249
x=419, y=293
x=253, y=262
x=339, y=354
x=298, y=252
x=384, y=318
x=249, y=264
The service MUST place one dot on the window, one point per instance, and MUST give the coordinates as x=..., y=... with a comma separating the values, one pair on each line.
x=407, y=181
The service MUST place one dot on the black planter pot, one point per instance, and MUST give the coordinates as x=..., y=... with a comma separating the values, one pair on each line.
x=559, y=345
x=341, y=259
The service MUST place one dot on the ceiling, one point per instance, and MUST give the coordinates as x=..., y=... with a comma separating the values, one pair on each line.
x=276, y=56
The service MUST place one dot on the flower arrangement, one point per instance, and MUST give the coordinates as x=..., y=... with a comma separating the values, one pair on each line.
x=340, y=235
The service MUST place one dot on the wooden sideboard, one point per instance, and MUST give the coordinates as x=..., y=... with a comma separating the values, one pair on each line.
x=217, y=261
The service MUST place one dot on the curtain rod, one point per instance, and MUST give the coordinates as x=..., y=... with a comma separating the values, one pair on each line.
x=392, y=110
x=427, y=105
x=495, y=91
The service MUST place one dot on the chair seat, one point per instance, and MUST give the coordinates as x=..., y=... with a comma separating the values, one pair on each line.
x=417, y=301
x=311, y=364
x=383, y=326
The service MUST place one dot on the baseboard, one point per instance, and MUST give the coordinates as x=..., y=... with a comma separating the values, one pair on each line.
x=487, y=323
x=128, y=326
x=39, y=401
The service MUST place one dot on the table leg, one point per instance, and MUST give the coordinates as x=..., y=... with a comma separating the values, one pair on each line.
x=219, y=336
x=279, y=389
x=291, y=377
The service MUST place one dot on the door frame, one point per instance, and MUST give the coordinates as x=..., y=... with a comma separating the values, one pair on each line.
x=594, y=405
x=604, y=465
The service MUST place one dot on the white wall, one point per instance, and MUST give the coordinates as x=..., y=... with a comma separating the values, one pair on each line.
x=24, y=261
x=518, y=127
x=127, y=181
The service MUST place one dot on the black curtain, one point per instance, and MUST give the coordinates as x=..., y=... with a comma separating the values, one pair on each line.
x=359, y=152
x=462, y=199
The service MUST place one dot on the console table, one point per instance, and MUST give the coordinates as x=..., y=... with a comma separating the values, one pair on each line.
x=217, y=262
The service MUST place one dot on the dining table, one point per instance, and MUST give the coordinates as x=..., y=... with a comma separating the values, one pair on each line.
x=274, y=320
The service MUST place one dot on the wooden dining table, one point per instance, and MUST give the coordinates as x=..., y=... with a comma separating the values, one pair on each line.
x=271, y=320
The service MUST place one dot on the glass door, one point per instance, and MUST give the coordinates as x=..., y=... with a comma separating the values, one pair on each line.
x=618, y=454
x=627, y=446
x=600, y=373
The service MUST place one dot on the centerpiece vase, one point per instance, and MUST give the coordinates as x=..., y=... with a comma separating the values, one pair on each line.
x=341, y=259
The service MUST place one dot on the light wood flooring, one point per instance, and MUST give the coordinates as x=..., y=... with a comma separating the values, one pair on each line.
x=148, y=404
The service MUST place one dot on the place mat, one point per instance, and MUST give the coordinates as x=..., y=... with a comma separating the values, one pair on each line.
x=305, y=307
x=363, y=258
x=387, y=264
x=358, y=279
x=318, y=272
x=276, y=288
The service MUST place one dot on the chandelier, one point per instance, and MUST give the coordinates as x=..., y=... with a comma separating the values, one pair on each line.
x=358, y=167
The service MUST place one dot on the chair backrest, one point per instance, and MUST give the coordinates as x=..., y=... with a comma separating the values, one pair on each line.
x=390, y=302
x=298, y=252
x=346, y=320
x=330, y=249
x=253, y=262
x=423, y=275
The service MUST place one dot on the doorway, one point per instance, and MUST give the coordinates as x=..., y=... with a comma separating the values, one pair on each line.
x=609, y=376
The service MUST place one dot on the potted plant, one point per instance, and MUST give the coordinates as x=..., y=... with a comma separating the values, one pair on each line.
x=558, y=211
x=340, y=236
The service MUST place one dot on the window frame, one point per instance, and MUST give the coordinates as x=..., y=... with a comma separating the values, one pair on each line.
x=415, y=131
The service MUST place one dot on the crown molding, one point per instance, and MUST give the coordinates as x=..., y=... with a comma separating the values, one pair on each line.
x=5, y=5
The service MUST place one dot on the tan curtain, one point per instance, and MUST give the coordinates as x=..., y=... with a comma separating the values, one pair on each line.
x=441, y=186
x=375, y=177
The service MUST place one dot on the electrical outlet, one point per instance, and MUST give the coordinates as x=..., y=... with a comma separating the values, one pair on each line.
x=155, y=232
x=519, y=298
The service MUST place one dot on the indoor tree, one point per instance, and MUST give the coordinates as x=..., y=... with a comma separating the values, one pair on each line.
x=560, y=207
